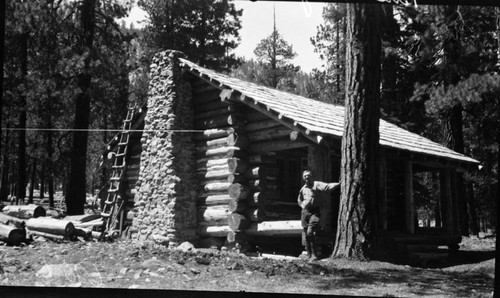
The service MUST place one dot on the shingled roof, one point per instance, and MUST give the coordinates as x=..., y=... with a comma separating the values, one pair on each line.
x=316, y=119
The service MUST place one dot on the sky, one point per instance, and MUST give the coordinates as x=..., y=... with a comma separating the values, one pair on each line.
x=296, y=22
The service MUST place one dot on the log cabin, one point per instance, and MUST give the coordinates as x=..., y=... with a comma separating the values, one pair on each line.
x=216, y=157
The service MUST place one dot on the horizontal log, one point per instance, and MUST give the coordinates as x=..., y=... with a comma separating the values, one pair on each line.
x=12, y=221
x=278, y=145
x=238, y=222
x=262, y=172
x=214, y=133
x=268, y=134
x=232, y=139
x=213, y=174
x=262, y=159
x=216, y=186
x=93, y=223
x=229, y=151
x=238, y=191
x=237, y=206
x=82, y=218
x=24, y=211
x=51, y=225
x=264, y=197
x=258, y=185
x=275, y=228
x=255, y=214
x=12, y=235
x=214, y=200
x=260, y=125
x=213, y=231
x=47, y=235
x=203, y=164
x=217, y=213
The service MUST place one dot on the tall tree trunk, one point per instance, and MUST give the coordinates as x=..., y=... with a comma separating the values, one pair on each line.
x=21, y=154
x=389, y=63
x=32, y=184
x=497, y=244
x=42, y=181
x=357, y=228
x=455, y=137
x=75, y=198
x=2, y=54
x=4, y=190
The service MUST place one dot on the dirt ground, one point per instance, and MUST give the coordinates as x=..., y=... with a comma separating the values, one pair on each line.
x=46, y=268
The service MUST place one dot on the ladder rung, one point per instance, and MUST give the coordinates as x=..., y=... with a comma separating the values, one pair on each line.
x=115, y=178
x=109, y=202
x=112, y=190
x=124, y=143
x=117, y=166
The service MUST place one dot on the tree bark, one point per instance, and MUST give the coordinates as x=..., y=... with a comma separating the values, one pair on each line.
x=21, y=154
x=75, y=198
x=357, y=229
x=455, y=135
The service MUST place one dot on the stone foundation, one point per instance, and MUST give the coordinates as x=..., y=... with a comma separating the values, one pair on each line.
x=165, y=208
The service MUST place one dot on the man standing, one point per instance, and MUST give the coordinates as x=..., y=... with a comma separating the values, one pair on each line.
x=310, y=204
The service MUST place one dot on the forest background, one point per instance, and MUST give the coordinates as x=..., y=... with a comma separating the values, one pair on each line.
x=71, y=69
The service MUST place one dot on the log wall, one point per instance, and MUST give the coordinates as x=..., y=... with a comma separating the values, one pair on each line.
x=236, y=165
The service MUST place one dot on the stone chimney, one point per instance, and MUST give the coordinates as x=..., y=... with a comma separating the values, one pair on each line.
x=165, y=200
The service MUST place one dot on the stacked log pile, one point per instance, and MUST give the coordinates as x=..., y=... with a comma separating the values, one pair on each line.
x=19, y=223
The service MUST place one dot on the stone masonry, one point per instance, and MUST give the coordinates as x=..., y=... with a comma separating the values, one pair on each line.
x=165, y=200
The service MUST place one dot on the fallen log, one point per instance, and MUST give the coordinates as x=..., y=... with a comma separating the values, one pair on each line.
x=93, y=223
x=13, y=221
x=46, y=235
x=25, y=211
x=82, y=218
x=12, y=235
x=50, y=225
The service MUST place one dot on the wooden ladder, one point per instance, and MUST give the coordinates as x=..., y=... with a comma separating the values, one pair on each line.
x=114, y=202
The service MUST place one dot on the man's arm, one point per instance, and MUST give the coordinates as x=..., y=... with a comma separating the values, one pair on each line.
x=328, y=187
x=300, y=199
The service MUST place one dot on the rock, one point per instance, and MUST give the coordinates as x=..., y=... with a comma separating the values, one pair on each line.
x=57, y=270
x=186, y=246
x=195, y=271
x=152, y=263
